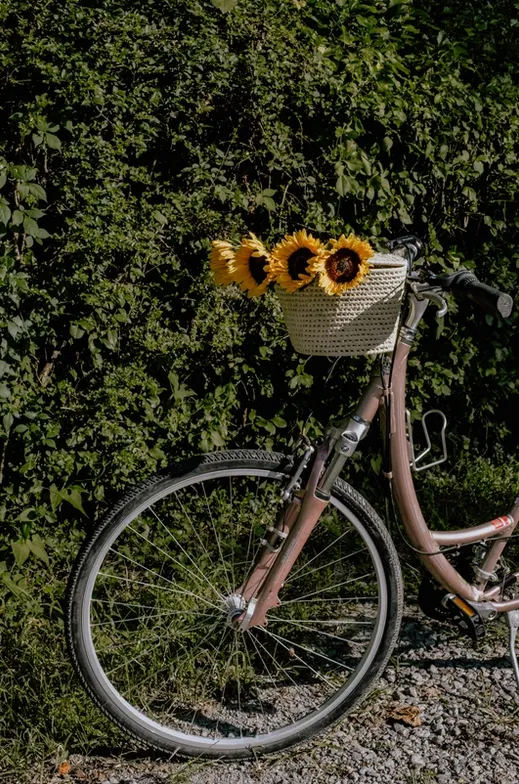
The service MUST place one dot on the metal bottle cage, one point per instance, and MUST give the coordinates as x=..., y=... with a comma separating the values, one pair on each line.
x=415, y=459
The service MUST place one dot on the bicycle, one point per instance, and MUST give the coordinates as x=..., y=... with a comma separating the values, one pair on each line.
x=192, y=626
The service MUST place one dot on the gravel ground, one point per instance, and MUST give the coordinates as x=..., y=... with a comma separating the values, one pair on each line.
x=444, y=712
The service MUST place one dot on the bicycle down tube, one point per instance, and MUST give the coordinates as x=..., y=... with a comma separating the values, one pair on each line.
x=386, y=391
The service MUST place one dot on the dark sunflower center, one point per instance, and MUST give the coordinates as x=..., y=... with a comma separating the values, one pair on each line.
x=256, y=267
x=343, y=265
x=298, y=262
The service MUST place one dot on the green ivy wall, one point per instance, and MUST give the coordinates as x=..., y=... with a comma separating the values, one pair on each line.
x=131, y=134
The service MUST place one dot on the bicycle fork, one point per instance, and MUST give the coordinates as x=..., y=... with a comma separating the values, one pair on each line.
x=259, y=593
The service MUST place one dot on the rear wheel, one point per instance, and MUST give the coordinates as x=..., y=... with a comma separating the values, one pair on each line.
x=155, y=586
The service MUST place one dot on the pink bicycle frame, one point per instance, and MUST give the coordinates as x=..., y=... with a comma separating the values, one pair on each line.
x=386, y=391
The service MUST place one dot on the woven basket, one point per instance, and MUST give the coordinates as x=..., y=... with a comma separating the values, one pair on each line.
x=363, y=320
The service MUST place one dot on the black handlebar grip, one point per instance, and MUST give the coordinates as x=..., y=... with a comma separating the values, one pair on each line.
x=489, y=299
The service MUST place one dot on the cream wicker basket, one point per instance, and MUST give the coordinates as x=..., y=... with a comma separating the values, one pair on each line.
x=363, y=320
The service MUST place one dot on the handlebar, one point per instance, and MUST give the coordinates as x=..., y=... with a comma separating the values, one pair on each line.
x=465, y=284
x=462, y=283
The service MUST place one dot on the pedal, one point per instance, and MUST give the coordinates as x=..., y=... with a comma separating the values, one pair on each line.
x=469, y=621
x=448, y=608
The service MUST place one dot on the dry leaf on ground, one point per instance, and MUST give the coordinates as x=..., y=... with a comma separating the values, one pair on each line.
x=408, y=714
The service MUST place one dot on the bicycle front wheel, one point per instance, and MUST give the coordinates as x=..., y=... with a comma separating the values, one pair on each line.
x=154, y=588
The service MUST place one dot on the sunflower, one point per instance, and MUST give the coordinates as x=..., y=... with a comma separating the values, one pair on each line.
x=252, y=266
x=345, y=265
x=292, y=260
x=222, y=262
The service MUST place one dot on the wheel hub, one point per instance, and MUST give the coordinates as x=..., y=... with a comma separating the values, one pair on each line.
x=235, y=604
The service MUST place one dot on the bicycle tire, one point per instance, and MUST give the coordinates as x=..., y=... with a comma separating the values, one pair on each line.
x=88, y=582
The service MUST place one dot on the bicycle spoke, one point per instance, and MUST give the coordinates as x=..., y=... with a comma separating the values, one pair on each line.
x=312, y=629
x=148, y=616
x=336, y=622
x=178, y=591
x=323, y=590
x=327, y=565
x=217, y=539
x=233, y=534
x=308, y=650
x=180, y=546
x=278, y=665
x=155, y=574
x=238, y=677
x=252, y=669
x=295, y=655
x=226, y=629
x=324, y=550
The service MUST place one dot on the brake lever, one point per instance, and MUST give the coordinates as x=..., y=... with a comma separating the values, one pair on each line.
x=423, y=291
x=438, y=301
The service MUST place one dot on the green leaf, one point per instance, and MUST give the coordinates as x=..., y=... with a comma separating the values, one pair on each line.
x=342, y=185
x=5, y=213
x=73, y=497
x=268, y=203
x=3, y=178
x=17, y=217
x=35, y=213
x=5, y=392
x=23, y=189
x=55, y=497
x=180, y=391
x=52, y=141
x=87, y=324
x=36, y=547
x=23, y=173
x=16, y=588
x=37, y=191
x=157, y=453
x=224, y=5
x=37, y=139
x=111, y=339
x=30, y=226
x=159, y=217
x=76, y=331
x=21, y=552
x=8, y=420
x=478, y=166
x=216, y=438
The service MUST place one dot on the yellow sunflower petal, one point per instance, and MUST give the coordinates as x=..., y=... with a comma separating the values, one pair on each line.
x=344, y=266
x=292, y=260
x=252, y=268
x=221, y=261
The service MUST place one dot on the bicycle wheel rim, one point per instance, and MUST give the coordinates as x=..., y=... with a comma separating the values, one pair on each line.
x=169, y=737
